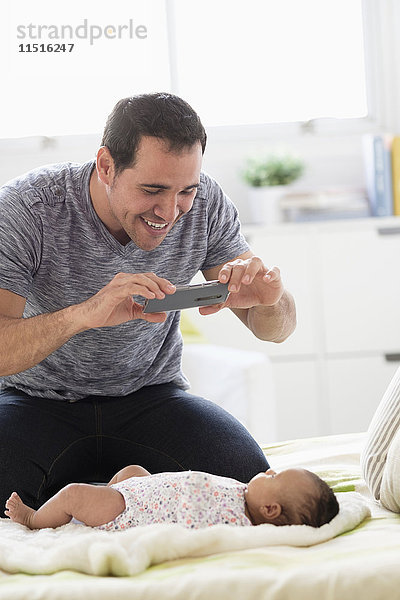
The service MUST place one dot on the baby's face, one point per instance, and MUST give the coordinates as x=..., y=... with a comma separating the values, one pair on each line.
x=269, y=488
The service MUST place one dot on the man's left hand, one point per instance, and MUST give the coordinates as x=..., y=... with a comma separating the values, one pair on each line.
x=250, y=283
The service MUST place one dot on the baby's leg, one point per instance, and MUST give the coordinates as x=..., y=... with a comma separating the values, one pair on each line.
x=17, y=511
x=128, y=472
x=92, y=505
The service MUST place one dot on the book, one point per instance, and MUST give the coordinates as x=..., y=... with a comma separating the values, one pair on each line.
x=396, y=174
x=325, y=204
x=378, y=164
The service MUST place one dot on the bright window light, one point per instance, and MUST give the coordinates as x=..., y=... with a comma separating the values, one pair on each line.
x=62, y=93
x=236, y=62
x=268, y=61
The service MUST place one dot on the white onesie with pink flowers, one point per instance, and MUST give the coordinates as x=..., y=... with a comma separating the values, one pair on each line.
x=192, y=499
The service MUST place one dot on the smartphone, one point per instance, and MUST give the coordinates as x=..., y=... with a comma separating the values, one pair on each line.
x=189, y=296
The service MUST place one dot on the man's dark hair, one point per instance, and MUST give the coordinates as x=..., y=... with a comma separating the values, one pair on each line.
x=159, y=115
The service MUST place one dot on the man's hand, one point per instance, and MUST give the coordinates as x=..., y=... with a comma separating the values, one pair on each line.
x=250, y=284
x=25, y=342
x=114, y=304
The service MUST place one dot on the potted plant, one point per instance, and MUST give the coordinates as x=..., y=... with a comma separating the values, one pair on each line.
x=268, y=179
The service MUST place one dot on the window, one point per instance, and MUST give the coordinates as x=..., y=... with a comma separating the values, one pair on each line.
x=237, y=62
x=269, y=61
x=54, y=93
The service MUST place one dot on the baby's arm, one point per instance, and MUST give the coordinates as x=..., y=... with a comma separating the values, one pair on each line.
x=127, y=472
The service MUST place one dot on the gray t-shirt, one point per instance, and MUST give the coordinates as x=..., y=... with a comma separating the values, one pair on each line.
x=55, y=252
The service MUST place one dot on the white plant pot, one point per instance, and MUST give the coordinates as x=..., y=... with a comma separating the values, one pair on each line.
x=264, y=203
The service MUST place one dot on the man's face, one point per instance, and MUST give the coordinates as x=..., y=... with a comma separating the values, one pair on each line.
x=146, y=200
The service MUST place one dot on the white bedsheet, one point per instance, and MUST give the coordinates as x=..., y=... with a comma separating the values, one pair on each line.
x=361, y=564
x=95, y=552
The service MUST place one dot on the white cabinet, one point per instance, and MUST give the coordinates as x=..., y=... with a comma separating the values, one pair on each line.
x=291, y=249
x=360, y=280
x=345, y=276
x=348, y=299
x=299, y=412
x=355, y=387
x=361, y=289
x=298, y=387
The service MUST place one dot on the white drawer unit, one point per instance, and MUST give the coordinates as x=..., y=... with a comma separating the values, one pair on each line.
x=345, y=276
x=361, y=289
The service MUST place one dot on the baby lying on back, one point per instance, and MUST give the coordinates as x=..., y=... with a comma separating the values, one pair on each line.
x=192, y=499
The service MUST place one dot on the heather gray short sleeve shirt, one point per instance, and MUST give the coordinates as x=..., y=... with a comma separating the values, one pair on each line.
x=55, y=252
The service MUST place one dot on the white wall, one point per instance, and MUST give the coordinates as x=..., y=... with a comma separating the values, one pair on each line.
x=333, y=155
x=23, y=154
x=331, y=159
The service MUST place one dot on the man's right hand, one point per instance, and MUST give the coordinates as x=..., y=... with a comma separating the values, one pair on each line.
x=24, y=342
x=114, y=304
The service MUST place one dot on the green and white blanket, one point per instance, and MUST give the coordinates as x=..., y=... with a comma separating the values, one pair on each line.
x=354, y=554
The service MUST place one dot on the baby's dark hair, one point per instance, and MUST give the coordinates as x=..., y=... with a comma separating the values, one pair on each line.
x=316, y=508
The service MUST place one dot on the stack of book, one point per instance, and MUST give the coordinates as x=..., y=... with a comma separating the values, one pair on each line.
x=325, y=204
x=382, y=164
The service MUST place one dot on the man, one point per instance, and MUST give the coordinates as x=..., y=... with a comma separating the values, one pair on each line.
x=90, y=382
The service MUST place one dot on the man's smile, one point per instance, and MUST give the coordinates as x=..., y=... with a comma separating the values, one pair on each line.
x=154, y=225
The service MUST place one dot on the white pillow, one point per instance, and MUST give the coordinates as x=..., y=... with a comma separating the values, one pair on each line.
x=390, y=487
x=383, y=428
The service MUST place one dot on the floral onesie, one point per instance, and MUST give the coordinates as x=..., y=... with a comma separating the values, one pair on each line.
x=192, y=499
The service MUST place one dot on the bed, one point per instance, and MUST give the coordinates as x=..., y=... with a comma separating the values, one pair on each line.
x=360, y=562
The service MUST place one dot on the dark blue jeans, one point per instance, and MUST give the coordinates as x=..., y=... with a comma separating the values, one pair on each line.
x=45, y=444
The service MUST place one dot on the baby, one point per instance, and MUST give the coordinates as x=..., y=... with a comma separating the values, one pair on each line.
x=192, y=499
